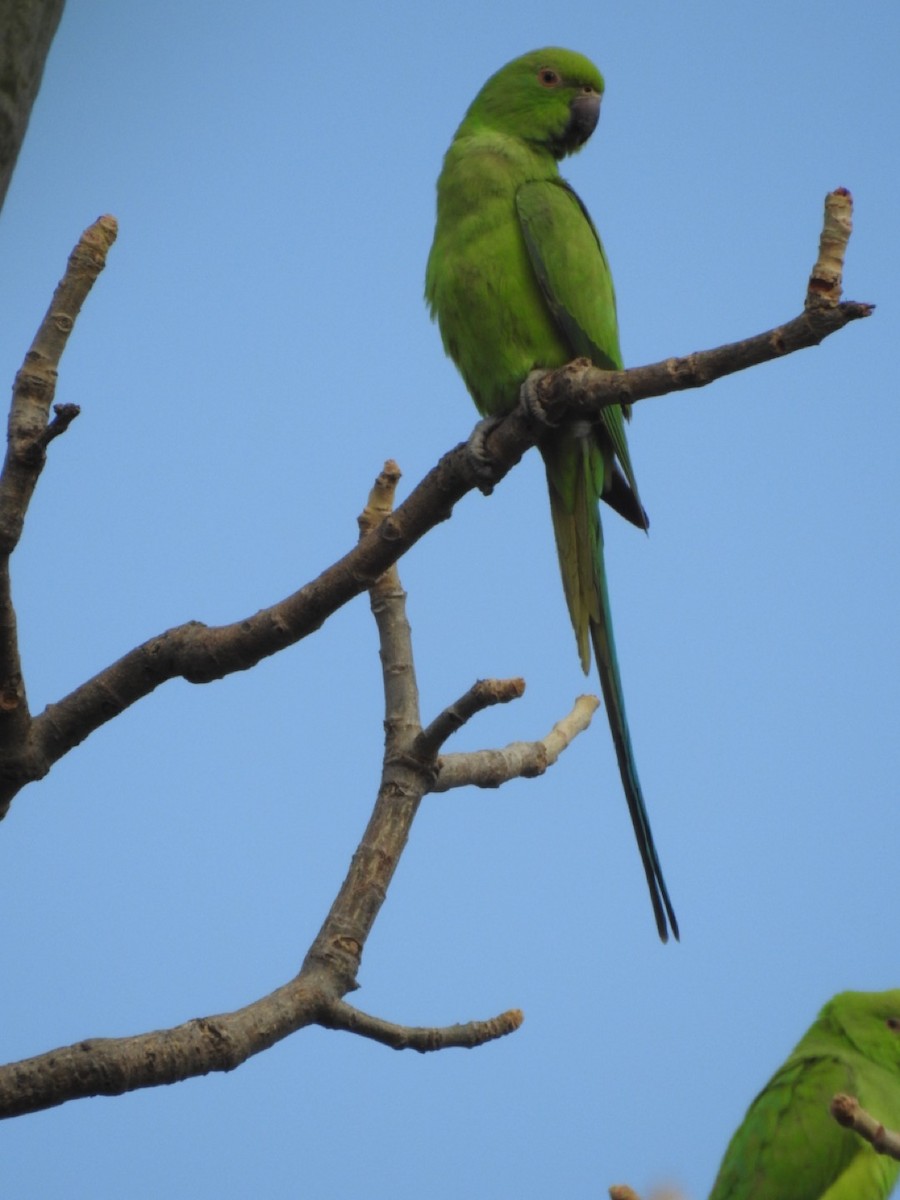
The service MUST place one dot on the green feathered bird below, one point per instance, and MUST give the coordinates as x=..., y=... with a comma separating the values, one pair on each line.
x=518, y=280
x=788, y=1146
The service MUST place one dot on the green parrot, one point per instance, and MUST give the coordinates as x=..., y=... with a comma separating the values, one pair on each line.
x=789, y=1147
x=518, y=280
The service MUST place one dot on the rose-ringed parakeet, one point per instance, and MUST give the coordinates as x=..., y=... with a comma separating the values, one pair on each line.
x=518, y=280
x=789, y=1147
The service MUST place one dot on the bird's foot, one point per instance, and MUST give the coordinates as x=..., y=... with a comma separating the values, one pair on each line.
x=530, y=397
x=480, y=457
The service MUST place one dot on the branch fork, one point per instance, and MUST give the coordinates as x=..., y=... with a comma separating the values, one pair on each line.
x=414, y=763
x=411, y=768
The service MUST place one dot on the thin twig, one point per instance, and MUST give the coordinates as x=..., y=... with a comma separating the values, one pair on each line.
x=35, y=383
x=484, y=693
x=65, y=414
x=424, y=1039
x=29, y=432
x=826, y=280
x=847, y=1111
x=337, y=949
x=518, y=760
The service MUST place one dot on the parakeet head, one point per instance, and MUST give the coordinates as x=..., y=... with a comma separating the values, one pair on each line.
x=548, y=97
x=870, y=1021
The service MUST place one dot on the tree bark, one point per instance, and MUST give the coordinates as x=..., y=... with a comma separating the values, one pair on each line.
x=26, y=31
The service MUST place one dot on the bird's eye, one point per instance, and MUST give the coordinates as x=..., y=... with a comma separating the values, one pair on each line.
x=893, y=1023
x=548, y=77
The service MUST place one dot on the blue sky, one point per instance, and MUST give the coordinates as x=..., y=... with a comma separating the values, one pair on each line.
x=255, y=349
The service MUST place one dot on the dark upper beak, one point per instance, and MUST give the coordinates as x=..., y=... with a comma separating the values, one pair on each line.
x=585, y=113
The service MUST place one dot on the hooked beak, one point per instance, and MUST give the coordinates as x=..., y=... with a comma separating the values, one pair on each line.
x=584, y=115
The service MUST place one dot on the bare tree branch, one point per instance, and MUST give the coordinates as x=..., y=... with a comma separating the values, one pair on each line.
x=484, y=693
x=580, y=389
x=29, y=432
x=404, y=1037
x=491, y=768
x=64, y=415
x=826, y=278
x=111, y=1066
x=35, y=383
x=200, y=654
x=410, y=767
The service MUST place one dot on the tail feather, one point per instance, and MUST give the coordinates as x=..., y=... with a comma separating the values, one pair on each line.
x=574, y=475
x=611, y=686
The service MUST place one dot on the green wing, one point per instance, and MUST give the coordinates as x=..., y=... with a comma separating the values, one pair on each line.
x=571, y=267
x=574, y=276
x=790, y=1148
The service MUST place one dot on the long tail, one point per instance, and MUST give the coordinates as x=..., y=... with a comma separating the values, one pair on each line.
x=611, y=685
x=574, y=475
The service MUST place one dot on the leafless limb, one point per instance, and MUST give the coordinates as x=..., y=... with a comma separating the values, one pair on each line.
x=29, y=432
x=111, y=1066
x=404, y=1037
x=491, y=768
x=29, y=746
x=485, y=693
x=580, y=389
